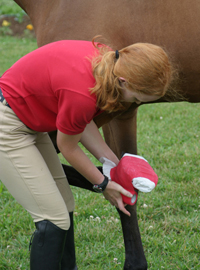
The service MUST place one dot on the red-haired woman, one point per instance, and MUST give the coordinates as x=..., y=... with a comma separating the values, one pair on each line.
x=62, y=86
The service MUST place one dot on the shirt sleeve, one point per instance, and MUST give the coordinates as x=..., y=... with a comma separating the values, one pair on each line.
x=75, y=111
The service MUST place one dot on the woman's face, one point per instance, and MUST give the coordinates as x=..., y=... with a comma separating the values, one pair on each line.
x=131, y=96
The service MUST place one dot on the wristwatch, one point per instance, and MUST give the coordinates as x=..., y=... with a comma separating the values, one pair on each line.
x=101, y=187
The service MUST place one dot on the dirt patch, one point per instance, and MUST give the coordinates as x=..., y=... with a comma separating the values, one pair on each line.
x=13, y=26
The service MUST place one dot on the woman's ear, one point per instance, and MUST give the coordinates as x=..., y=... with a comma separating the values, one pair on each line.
x=122, y=79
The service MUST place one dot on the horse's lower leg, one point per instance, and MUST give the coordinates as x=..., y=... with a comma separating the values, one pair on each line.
x=120, y=135
x=76, y=179
x=135, y=258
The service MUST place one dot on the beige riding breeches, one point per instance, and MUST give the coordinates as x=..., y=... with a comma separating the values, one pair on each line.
x=32, y=172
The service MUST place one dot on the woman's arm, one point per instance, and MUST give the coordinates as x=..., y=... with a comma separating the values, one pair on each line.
x=68, y=145
x=95, y=144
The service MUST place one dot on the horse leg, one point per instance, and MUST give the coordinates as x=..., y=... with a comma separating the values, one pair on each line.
x=120, y=134
x=74, y=178
x=134, y=254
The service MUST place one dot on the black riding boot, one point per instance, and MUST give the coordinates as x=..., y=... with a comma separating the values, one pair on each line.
x=69, y=258
x=47, y=246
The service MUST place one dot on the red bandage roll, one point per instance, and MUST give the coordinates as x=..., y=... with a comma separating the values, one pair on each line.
x=134, y=173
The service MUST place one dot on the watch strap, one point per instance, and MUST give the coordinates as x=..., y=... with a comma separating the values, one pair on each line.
x=101, y=187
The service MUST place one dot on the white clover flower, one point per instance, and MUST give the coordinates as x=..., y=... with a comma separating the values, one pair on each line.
x=98, y=219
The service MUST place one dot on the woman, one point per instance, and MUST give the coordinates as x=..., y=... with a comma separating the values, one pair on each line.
x=62, y=86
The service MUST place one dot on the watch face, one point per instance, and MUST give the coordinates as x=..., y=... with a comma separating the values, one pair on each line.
x=97, y=188
x=100, y=188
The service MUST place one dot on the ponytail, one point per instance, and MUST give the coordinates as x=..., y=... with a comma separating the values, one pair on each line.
x=145, y=67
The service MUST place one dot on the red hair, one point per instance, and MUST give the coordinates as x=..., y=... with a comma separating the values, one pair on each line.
x=145, y=67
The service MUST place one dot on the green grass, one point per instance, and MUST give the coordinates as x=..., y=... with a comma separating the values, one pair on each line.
x=13, y=48
x=169, y=217
x=10, y=7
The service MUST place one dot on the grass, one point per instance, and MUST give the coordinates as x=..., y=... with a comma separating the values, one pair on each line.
x=10, y=7
x=171, y=133
x=169, y=217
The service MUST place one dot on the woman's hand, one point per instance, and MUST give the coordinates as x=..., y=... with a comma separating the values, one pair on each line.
x=112, y=194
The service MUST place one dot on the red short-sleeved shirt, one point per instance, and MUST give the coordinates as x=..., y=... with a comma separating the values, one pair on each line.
x=48, y=89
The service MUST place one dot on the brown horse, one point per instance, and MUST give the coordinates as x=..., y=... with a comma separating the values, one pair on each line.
x=174, y=25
